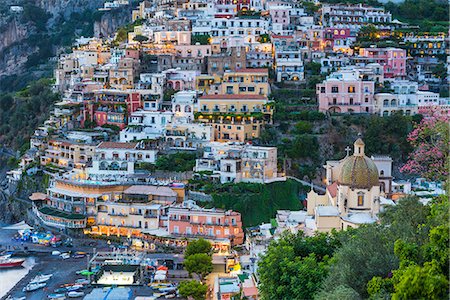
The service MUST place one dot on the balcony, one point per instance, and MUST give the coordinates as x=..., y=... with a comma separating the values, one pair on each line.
x=135, y=213
x=150, y=216
x=118, y=214
x=344, y=104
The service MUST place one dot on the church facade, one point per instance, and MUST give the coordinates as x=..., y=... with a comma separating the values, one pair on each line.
x=356, y=186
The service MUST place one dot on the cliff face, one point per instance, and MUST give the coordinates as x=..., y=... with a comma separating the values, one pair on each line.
x=111, y=21
x=25, y=47
x=67, y=7
x=12, y=32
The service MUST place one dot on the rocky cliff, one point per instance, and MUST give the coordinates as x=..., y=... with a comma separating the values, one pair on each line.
x=67, y=7
x=29, y=39
x=111, y=21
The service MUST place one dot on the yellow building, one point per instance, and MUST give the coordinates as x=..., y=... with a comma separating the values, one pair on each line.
x=234, y=117
x=208, y=84
x=109, y=208
x=68, y=154
x=246, y=82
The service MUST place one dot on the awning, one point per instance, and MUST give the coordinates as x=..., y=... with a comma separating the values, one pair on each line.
x=19, y=226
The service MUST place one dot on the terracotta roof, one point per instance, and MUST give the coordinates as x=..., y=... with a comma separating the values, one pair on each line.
x=332, y=189
x=256, y=70
x=115, y=145
x=226, y=96
x=37, y=196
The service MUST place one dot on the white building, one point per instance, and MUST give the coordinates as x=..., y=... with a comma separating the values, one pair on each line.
x=183, y=104
x=146, y=124
x=289, y=64
x=119, y=158
x=240, y=163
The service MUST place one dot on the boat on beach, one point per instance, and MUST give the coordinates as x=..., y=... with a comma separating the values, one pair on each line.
x=56, y=296
x=34, y=286
x=7, y=262
x=75, y=287
x=41, y=278
x=75, y=294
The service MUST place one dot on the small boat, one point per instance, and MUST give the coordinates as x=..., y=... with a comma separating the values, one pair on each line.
x=75, y=294
x=33, y=286
x=56, y=296
x=7, y=262
x=64, y=255
x=75, y=287
x=82, y=281
x=167, y=289
x=60, y=290
x=41, y=278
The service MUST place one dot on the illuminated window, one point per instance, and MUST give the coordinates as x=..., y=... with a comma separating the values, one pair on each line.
x=360, y=199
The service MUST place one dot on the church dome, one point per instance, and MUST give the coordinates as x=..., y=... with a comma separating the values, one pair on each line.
x=358, y=170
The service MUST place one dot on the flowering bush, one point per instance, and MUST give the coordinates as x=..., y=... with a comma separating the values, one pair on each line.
x=430, y=139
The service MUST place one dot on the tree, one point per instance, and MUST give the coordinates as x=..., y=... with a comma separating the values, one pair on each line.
x=367, y=254
x=200, y=264
x=295, y=266
x=198, y=246
x=140, y=38
x=416, y=282
x=430, y=140
x=193, y=289
x=339, y=293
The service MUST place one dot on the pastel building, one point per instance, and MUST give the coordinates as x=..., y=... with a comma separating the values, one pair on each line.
x=240, y=163
x=234, y=117
x=111, y=107
x=68, y=154
x=213, y=224
x=245, y=82
x=113, y=158
x=346, y=91
x=393, y=60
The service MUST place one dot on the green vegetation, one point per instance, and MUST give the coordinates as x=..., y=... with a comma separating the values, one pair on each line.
x=22, y=113
x=140, y=38
x=200, y=264
x=177, y=162
x=256, y=202
x=403, y=257
x=193, y=289
x=295, y=266
x=202, y=39
x=198, y=258
x=122, y=32
x=198, y=246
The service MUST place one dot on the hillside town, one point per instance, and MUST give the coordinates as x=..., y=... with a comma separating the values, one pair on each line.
x=197, y=79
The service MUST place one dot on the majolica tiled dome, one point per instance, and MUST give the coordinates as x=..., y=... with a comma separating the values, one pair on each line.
x=358, y=170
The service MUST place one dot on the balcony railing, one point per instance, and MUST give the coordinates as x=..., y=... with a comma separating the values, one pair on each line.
x=118, y=214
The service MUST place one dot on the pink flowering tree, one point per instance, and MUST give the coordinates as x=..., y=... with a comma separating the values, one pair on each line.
x=430, y=140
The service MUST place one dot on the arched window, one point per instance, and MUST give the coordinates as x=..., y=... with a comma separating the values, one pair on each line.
x=381, y=172
x=177, y=108
x=187, y=109
x=360, y=199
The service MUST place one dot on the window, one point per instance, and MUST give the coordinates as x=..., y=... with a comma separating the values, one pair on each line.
x=351, y=89
x=322, y=90
x=176, y=229
x=334, y=89
x=360, y=199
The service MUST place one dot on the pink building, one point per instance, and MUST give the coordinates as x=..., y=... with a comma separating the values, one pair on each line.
x=346, y=92
x=280, y=14
x=212, y=224
x=393, y=60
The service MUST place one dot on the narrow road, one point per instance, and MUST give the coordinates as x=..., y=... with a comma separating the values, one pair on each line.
x=315, y=186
